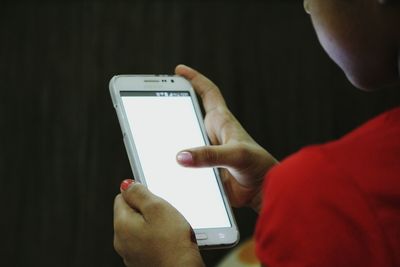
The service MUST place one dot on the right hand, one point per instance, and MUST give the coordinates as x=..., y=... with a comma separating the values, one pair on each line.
x=148, y=231
x=243, y=162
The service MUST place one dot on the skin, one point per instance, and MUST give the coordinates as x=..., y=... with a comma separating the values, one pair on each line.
x=361, y=36
x=242, y=161
x=150, y=232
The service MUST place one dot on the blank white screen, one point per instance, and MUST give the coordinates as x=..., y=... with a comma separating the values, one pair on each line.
x=161, y=127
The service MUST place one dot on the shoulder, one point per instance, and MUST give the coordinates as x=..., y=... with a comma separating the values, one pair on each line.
x=305, y=179
x=316, y=215
x=306, y=167
x=318, y=204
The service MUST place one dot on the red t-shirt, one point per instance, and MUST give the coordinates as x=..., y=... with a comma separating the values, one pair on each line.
x=336, y=204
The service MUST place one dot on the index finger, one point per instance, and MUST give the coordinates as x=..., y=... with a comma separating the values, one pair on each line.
x=208, y=91
x=123, y=213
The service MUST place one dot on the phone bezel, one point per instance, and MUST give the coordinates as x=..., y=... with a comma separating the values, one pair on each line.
x=217, y=237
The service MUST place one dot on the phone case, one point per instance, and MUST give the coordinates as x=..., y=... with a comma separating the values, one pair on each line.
x=211, y=237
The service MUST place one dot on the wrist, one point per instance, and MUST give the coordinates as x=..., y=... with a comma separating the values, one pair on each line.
x=256, y=201
x=190, y=258
x=191, y=261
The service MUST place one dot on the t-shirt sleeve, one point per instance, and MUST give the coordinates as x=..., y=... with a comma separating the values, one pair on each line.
x=315, y=215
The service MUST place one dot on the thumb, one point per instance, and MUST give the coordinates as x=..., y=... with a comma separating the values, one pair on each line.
x=212, y=156
x=136, y=195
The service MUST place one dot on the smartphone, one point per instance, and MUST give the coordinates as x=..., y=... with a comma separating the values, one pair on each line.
x=159, y=116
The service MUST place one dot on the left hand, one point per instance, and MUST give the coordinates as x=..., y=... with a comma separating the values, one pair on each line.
x=243, y=163
x=148, y=231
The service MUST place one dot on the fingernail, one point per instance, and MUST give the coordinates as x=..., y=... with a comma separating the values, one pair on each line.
x=185, y=158
x=125, y=184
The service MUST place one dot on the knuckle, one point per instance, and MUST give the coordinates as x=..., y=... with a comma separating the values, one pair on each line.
x=120, y=246
x=119, y=223
x=137, y=191
x=117, y=199
x=242, y=150
x=243, y=153
x=225, y=118
x=155, y=206
x=117, y=245
x=136, y=188
x=224, y=113
x=210, y=156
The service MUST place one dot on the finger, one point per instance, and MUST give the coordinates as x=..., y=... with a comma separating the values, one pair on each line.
x=222, y=126
x=138, y=197
x=124, y=213
x=214, y=156
x=208, y=91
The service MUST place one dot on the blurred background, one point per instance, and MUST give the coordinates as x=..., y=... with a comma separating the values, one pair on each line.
x=61, y=152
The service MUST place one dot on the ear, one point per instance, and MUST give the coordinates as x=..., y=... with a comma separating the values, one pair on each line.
x=306, y=6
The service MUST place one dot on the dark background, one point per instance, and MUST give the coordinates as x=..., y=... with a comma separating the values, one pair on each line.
x=61, y=151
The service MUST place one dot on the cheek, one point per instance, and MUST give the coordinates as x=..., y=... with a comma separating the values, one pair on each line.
x=351, y=49
x=333, y=46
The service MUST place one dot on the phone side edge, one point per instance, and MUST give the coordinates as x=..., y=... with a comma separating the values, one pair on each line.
x=122, y=120
x=233, y=230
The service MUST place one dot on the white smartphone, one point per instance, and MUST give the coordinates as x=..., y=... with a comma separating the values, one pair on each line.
x=160, y=116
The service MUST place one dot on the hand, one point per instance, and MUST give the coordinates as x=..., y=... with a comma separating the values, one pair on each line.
x=242, y=161
x=150, y=232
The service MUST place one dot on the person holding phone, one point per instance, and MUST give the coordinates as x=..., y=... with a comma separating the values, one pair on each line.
x=336, y=204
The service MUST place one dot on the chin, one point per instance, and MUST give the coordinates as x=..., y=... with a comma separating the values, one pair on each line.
x=366, y=69
x=368, y=75
x=372, y=82
x=356, y=71
x=363, y=84
x=366, y=81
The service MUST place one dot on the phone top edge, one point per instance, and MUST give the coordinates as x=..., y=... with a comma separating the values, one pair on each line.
x=141, y=76
x=150, y=83
x=145, y=75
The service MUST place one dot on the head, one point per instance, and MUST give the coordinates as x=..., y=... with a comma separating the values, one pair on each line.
x=362, y=37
